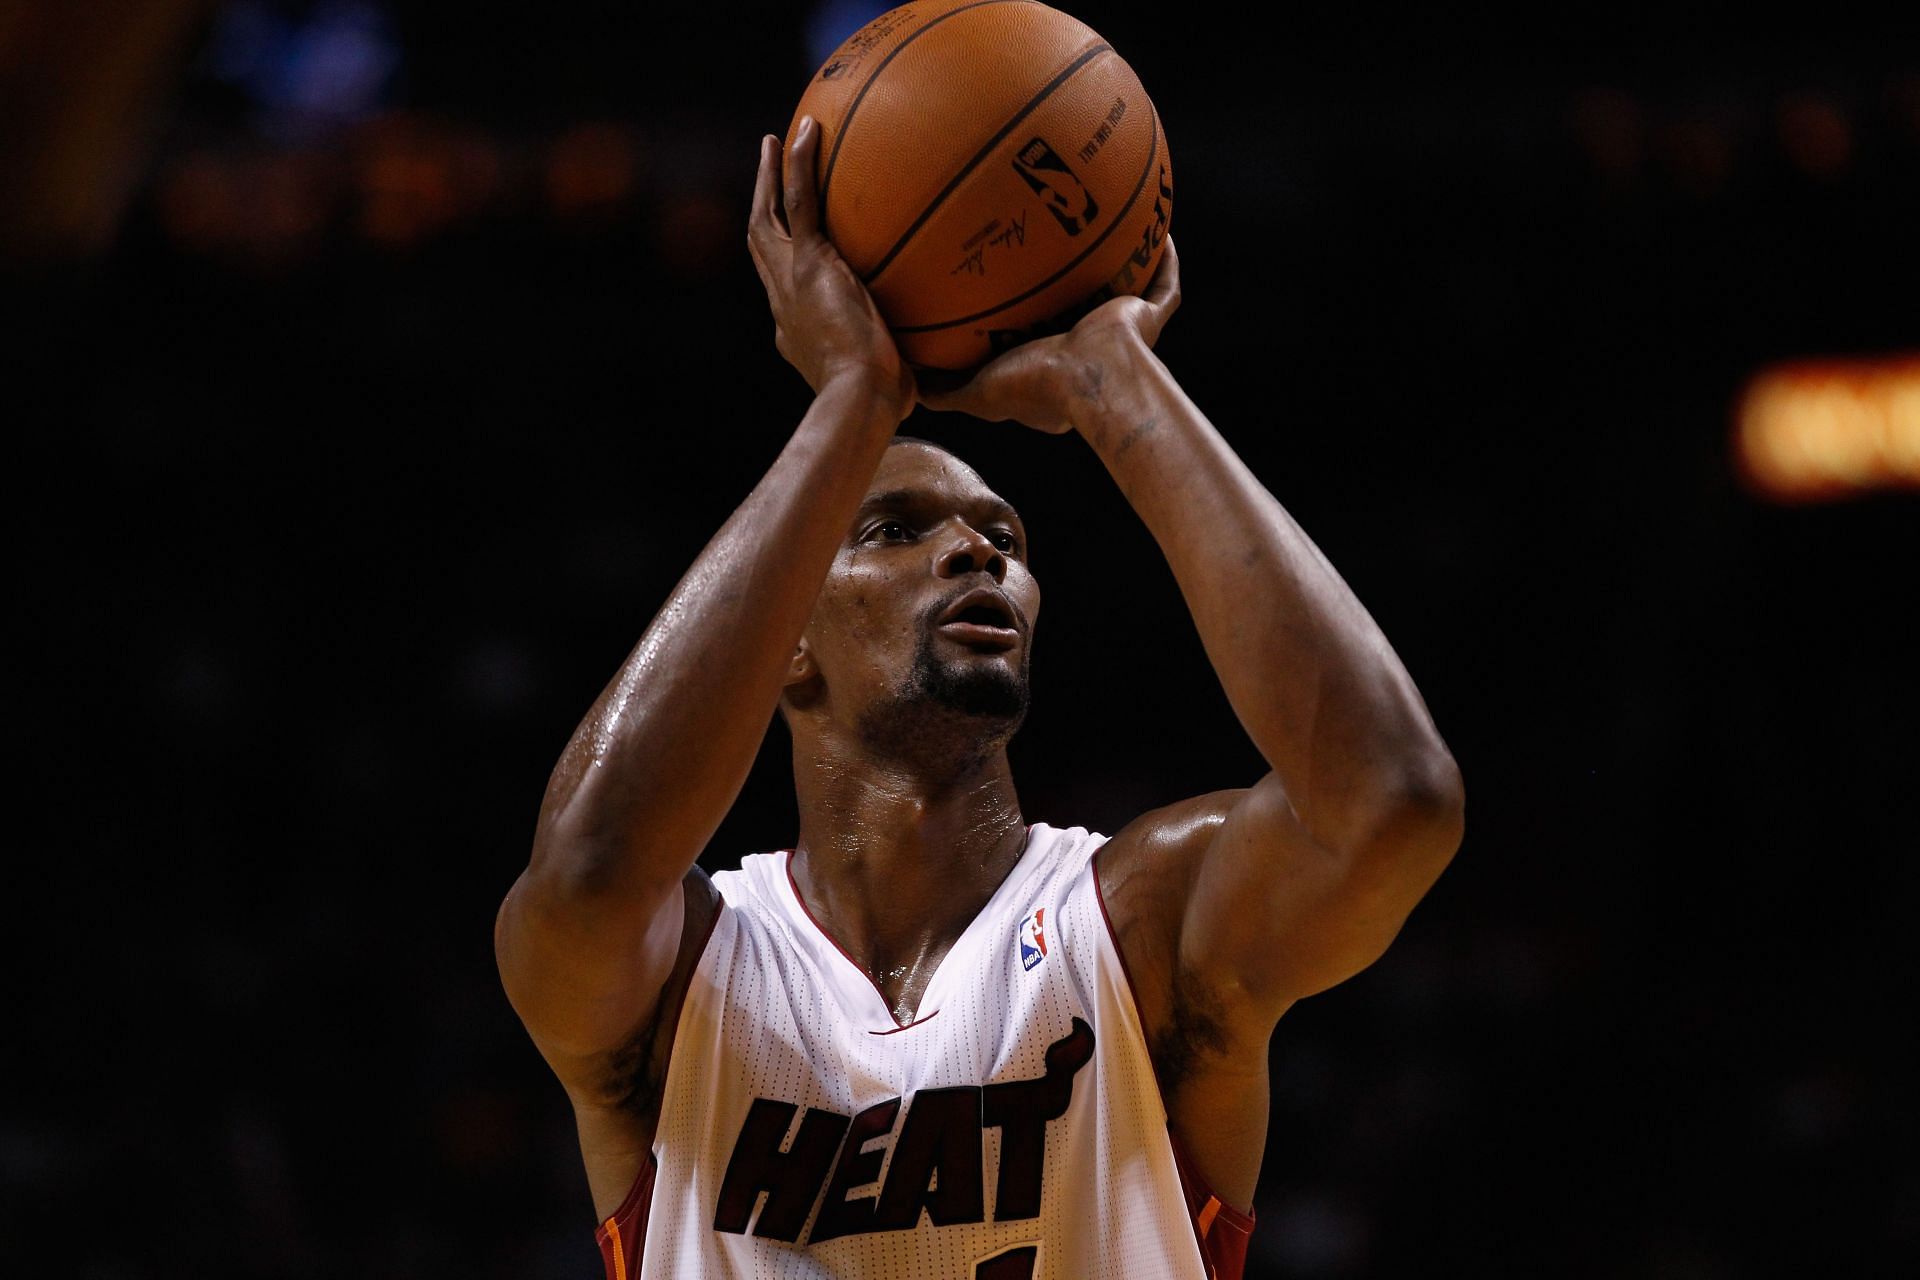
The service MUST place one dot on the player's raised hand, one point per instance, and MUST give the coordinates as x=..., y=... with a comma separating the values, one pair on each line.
x=825, y=324
x=1039, y=382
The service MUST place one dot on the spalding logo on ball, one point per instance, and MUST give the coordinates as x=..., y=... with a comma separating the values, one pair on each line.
x=991, y=169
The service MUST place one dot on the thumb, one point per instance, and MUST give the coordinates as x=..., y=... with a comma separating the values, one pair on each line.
x=948, y=390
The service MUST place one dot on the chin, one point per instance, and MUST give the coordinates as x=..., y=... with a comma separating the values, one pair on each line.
x=985, y=690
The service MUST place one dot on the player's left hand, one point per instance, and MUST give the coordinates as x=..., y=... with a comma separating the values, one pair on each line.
x=1041, y=382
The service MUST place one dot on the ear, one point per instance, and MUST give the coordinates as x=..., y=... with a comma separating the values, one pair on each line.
x=800, y=666
x=801, y=687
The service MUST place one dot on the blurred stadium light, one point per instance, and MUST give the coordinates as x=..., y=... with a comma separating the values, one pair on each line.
x=832, y=21
x=1822, y=429
x=305, y=71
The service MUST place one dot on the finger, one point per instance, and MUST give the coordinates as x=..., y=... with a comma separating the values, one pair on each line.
x=1162, y=295
x=763, y=189
x=946, y=390
x=760, y=267
x=958, y=403
x=1163, y=291
x=984, y=394
x=760, y=225
x=803, y=209
x=760, y=219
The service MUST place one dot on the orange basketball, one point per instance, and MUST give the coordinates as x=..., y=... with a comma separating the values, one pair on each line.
x=990, y=168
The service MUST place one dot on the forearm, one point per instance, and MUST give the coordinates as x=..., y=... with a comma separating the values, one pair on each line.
x=660, y=758
x=1309, y=674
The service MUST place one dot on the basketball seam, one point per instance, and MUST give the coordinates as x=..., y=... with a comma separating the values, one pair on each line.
x=840, y=135
x=1153, y=154
x=1067, y=73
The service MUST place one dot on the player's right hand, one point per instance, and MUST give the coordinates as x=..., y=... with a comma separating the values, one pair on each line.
x=1048, y=383
x=824, y=321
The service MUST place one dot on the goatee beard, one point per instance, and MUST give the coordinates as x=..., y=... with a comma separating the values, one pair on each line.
x=948, y=716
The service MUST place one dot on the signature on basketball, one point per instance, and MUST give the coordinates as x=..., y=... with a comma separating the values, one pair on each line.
x=1012, y=233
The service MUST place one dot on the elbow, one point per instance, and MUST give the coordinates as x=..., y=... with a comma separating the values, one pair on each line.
x=585, y=856
x=1422, y=816
x=582, y=844
x=1438, y=790
x=577, y=867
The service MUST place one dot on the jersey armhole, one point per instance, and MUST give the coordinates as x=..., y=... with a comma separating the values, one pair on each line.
x=621, y=1236
x=1221, y=1230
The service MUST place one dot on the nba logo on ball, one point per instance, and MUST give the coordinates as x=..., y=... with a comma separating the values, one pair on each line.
x=1062, y=194
x=1033, y=940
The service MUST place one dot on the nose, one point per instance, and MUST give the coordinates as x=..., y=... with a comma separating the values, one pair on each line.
x=966, y=550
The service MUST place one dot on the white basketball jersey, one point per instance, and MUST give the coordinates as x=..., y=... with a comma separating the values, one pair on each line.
x=1014, y=1129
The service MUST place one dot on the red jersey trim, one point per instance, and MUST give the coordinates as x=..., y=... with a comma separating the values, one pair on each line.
x=910, y=1026
x=1221, y=1231
x=621, y=1236
x=821, y=929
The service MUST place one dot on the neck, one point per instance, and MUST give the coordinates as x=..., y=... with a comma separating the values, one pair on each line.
x=895, y=863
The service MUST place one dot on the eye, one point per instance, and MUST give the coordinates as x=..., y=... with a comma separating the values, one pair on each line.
x=1004, y=541
x=889, y=531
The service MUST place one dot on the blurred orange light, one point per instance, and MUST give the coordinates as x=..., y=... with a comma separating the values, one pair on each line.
x=593, y=167
x=1816, y=134
x=410, y=180
x=1822, y=429
x=199, y=200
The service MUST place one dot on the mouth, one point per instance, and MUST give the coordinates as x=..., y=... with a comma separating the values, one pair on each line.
x=980, y=619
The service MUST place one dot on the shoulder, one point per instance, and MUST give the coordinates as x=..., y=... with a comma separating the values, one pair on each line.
x=758, y=878
x=1160, y=850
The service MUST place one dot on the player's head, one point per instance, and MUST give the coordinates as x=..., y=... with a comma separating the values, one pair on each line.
x=920, y=639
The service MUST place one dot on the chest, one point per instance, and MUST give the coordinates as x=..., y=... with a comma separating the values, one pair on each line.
x=1006, y=951
x=797, y=1013
x=902, y=987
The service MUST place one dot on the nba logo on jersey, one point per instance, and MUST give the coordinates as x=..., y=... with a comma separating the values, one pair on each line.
x=1033, y=940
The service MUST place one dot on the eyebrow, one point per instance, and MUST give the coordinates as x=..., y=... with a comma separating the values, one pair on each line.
x=915, y=499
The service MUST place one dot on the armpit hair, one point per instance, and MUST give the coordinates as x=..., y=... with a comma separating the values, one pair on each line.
x=1196, y=1030
x=636, y=1072
x=634, y=1081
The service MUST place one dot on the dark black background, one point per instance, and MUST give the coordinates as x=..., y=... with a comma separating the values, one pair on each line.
x=328, y=543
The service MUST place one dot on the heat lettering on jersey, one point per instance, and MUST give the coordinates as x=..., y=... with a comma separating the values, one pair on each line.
x=938, y=1163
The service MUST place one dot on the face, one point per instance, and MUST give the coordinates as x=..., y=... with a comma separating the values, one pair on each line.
x=922, y=633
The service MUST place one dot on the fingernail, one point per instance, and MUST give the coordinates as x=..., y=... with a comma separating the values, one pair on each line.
x=806, y=127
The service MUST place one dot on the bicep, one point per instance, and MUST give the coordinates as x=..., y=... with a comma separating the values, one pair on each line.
x=586, y=971
x=1273, y=914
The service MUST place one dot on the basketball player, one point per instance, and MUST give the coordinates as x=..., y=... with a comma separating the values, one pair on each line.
x=935, y=1039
